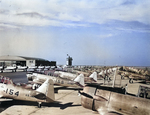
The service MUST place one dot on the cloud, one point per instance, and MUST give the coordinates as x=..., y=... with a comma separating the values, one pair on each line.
x=6, y=26
x=3, y=11
x=26, y=43
x=61, y=13
x=31, y=14
x=133, y=30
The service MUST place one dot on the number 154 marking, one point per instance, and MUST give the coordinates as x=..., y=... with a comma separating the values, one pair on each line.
x=11, y=92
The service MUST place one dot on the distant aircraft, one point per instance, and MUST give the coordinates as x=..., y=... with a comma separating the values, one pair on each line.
x=32, y=68
x=22, y=68
x=71, y=76
x=45, y=93
x=92, y=78
x=113, y=101
x=78, y=82
x=86, y=74
x=1, y=68
x=134, y=74
x=11, y=68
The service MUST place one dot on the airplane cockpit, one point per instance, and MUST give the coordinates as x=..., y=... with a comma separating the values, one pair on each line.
x=144, y=92
x=5, y=80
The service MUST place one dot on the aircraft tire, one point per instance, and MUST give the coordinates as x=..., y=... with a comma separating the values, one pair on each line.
x=122, y=77
x=130, y=80
x=39, y=105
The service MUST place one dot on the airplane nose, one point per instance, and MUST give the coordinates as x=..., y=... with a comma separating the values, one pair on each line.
x=87, y=102
x=92, y=98
x=87, y=97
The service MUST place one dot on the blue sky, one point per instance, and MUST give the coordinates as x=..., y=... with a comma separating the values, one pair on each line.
x=100, y=32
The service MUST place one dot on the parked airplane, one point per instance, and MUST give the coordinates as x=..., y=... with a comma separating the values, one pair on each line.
x=11, y=68
x=1, y=68
x=45, y=93
x=135, y=70
x=92, y=78
x=113, y=101
x=86, y=74
x=40, y=78
x=134, y=75
x=22, y=68
x=71, y=76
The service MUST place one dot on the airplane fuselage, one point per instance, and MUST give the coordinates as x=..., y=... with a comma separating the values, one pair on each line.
x=40, y=78
x=107, y=102
x=19, y=93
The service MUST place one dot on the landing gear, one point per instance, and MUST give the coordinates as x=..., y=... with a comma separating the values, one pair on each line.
x=122, y=77
x=39, y=104
x=130, y=80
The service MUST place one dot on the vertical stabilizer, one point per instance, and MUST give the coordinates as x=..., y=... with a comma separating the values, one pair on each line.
x=93, y=76
x=47, y=88
x=80, y=79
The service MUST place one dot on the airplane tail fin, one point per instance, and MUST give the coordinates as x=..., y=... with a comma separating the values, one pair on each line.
x=47, y=88
x=93, y=76
x=80, y=80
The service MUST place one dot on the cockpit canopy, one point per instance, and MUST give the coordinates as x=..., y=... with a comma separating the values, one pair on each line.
x=5, y=80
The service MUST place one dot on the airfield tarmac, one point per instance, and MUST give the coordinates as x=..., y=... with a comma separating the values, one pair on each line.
x=68, y=102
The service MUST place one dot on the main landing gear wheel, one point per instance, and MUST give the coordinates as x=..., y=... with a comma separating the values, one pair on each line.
x=122, y=77
x=39, y=104
x=130, y=80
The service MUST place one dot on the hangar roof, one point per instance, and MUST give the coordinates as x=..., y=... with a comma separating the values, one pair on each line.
x=18, y=58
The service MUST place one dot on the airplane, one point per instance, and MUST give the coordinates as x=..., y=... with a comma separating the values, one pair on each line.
x=135, y=70
x=32, y=68
x=92, y=78
x=115, y=101
x=134, y=74
x=38, y=79
x=105, y=74
x=86, y=74
x=40, y=68
x=71, y=76
x=22, y=68
x=45, y=93
x=1, y=68
x=13, y=68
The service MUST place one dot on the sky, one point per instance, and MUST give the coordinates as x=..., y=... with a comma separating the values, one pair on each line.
x=92, y=32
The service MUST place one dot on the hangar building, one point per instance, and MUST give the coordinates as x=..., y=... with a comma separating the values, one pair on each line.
x=8, y=60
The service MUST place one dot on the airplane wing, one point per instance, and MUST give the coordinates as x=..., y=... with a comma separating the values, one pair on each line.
x=39, y=81
x=38, y=95
x=1, y=100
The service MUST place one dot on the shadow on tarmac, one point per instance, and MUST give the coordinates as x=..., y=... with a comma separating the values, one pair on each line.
x=65, y=88
x=6, y=104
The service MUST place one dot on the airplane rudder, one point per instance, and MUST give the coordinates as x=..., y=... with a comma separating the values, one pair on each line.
x=50, y=91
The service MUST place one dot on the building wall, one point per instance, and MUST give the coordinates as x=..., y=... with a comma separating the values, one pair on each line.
x=7, y=63
x=30, y=63
x=24, y=61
